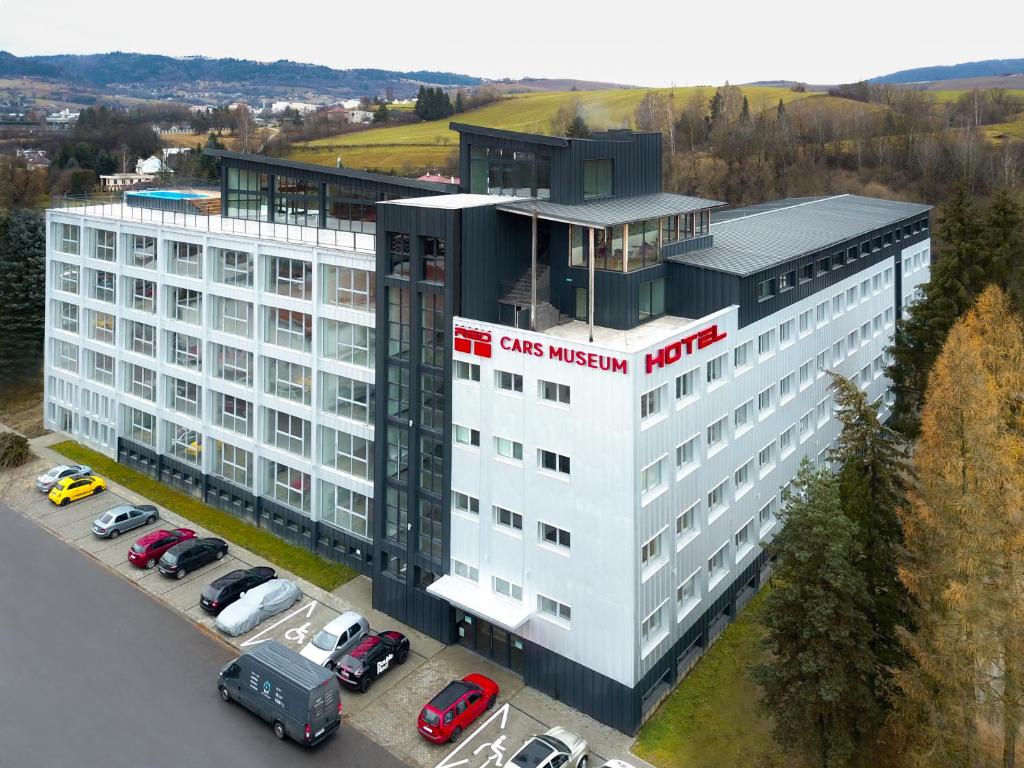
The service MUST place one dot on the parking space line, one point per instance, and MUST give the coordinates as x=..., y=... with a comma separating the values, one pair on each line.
x=257, y=639
x=497, y=745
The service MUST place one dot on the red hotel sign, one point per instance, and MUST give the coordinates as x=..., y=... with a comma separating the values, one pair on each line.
x=473, y=342
x=673, y=352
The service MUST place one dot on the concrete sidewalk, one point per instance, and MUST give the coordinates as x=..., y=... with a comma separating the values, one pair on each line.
x=387, y=713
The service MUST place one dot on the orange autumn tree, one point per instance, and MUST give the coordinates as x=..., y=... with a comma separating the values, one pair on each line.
x=964, y=539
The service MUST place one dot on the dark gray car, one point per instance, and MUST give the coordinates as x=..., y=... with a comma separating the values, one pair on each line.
x=123, y=517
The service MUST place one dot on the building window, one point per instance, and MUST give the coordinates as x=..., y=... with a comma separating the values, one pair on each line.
x=764, y=400
x=765, y=343
x=787, y=281
x=549, y=534
x=651, y=478
x=766, y=515
x=101, y=368
x=686, y=385
x=464, y=570
x=822, y=412
x=234, y=365
x=821, y=316
x=142, y=251
x=232, y=463
x=463, y=502
x=765, y=290
x=345, y=509
x=348, y=342
x=184, y=397
x=865, y=333
x=232, y=413
x=650, y=552
x=741, y=355
x=508, y=448
x=507, y=588
x=805, y=372
x=715, y=369
x=102, y=286
x=287, y=432
x=876, y=325
x=185, y=351
x=346, y=453
x=289, y=329
x=786, y=441
x=141, y=382
x=686, y=523
x=432, y=252
x=597, y=178
x=65, y=277
x=716, y=564
x=186, y=259
x=786, y=387
x=466, y=436
x=233, y=316
x=786, y=333
x=550, y=607
x=100, y=326
x=686, y=453
x=686, y=594
x=69, y=238
x=467, y=371
x=186, y=305
x=508, y=519
x=553, y=462
x=804, y=322
x=766, y=456
x=837, y=305
x=431, y=473
x=289, y=381
x=347, y=398
x=104, y=247
x=821, y=361
x=742, y=538
x=235, y=268
x=509, y=382
x=741, y=478
x=742, y=415
x=650, y=403
x=651, y=627
x=290, y=277
x=287, y=485
x=806, y=272
x=553, y=392
x=141, y=426
x=652, y=296
x=716, y=432
x=141, y=295
x=398, y=254
x=716, y=498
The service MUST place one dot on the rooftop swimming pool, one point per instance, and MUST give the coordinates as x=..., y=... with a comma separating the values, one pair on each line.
x=166, y=194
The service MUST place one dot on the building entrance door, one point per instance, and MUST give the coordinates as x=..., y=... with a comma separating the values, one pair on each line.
x=495, y=643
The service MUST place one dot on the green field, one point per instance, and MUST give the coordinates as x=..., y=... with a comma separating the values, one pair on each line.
x=424, y=145
x=715, y=717
x=1013, y=129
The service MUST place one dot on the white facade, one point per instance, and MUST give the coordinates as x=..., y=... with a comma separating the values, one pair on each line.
x=244, y=357
x=674, y=475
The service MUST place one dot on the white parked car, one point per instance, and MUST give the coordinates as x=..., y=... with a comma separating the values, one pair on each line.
x=335, y=639
x=616, y=764
x=257, y=604
x=557, y=748
x=48, y=479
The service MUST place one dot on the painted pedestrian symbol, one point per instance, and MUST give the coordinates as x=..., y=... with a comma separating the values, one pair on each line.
x=497, y=751
x=298, y=634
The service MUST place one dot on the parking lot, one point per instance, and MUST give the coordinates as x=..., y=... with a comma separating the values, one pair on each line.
x=387, y=712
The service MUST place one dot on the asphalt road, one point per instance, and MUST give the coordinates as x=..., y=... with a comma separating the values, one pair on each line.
x=95, y=672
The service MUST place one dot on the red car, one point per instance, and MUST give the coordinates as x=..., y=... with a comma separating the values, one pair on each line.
x=146, y=552
x=455, y=708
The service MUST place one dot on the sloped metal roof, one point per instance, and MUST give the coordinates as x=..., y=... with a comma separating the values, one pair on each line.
x=768, y=235
x=609, y=213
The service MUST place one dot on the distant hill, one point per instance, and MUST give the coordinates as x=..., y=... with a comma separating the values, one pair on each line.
x=531, y=84
x=149, y=75
x=988, y=68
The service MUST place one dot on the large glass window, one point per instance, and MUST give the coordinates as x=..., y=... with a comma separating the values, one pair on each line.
x=345, y=509
x=348, y=398
x=644, y=246
x=433, y=253
x=186, y=305
x=234, y=268
x=102, y=286
x=348, y=342
x=346, y=453
x=183, y=443
x=141, y=251
x=248, y=196
x=141, y=338
x=597, y=178
x=288, y=328
x=141, y=295
x=287, y=432
x=433, y=329
x=140, y=382
x=290, y=381
x=399, y=318
x=184, y=350
x=184, y=397
x=69, y=238
x=65, y=277
x=431, y=521
x=232, y=413
x=296, y=201
x=66, y=317
x=496, y=171
x=232, y=463
x=186, y=259
x=351, y=209
x=100, y=326
x=349, y=287
x=140, y=425
x=233, y=316
x=652, y=299
x=232, y=364
x=104, y=245
x=286, y=485
x=290, y=277
x=399, y=254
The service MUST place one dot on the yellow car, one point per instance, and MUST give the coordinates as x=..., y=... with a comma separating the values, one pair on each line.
x=69, y=489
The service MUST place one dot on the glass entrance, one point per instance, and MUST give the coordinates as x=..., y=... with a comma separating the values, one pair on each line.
x=495, y=643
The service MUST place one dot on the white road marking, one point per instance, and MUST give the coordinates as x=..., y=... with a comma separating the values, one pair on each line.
x=257, y=639
x=503, y=714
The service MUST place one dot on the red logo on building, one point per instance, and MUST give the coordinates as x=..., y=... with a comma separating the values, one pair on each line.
x=673, y=352
x=472, y=342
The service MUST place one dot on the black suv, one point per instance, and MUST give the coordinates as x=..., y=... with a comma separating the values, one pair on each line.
x=191, y=554
x=224, y=591
x=371, y=657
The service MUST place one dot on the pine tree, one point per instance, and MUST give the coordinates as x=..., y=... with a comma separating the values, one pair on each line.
x=383, y=114
x=577, y=128
x=964, y=542
x=421, y=103
x=780, y=113
x=745, y=112
x=460, y=104
x=1002, y=236
x=870, y=465
x=819, y=633
x=22, y=293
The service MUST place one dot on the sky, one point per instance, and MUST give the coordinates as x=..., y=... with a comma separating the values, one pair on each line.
x=638, y=42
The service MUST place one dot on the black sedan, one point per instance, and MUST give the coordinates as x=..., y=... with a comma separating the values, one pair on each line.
x=191, y=554
x=371, y=657
x=224, y=591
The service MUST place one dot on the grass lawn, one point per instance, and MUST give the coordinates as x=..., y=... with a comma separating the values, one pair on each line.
x=714, y=718
x=421, y=145
x=301, y=562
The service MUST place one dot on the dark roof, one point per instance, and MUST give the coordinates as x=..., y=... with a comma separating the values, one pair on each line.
x=766, y=235
x=728, y=214
x=348, y=173
x=498, y=133
x=609, y=213
x=290, y=665
x=450, y=694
